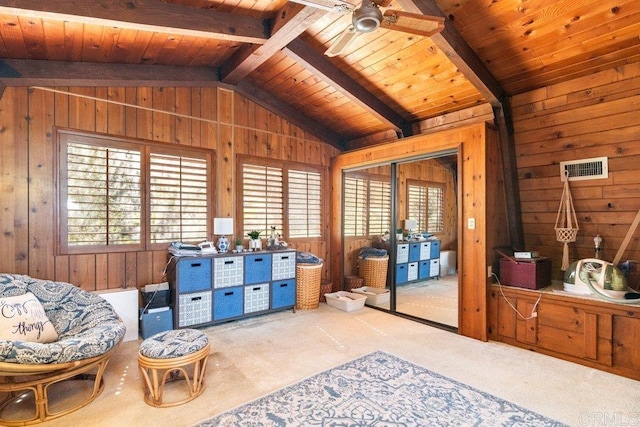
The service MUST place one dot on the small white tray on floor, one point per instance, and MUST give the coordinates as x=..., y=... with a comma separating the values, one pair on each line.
x=346, y=301
x=375, y=296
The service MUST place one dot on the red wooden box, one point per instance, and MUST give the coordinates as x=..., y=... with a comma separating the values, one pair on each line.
x=531, y=274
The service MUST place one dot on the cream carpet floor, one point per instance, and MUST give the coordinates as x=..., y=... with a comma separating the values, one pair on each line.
x=255, y=356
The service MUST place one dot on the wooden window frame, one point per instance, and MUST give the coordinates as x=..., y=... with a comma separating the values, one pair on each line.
x=145, y=148
x=368, y=177
x=426, y=185
x=285, y=166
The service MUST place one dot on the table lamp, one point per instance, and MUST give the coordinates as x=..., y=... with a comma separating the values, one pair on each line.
x=222, y=227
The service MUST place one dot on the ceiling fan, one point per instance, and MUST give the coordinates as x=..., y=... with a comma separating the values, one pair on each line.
x=368, y=17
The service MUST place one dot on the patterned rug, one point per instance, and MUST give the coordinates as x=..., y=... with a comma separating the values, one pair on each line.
x=379, y=389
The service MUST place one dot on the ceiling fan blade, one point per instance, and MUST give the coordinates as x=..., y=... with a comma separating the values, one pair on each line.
x=342, y=42
x=414, y=23
x=330, y=5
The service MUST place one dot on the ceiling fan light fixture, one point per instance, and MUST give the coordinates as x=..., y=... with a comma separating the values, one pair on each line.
x=367, y=17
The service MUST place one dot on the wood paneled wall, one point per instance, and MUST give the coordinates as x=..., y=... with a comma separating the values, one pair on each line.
x=593, y=116
x=215, y=118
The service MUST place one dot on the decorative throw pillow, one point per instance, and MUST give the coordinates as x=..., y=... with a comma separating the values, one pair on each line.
x=22, y=318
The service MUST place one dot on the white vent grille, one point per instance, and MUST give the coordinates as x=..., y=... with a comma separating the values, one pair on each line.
x=579, y=170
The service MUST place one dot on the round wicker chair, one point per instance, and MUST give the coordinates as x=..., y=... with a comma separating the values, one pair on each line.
x=31, y=373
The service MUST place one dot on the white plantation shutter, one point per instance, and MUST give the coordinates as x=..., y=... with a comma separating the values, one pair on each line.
x=177, y=198
x=262, y=199
x=304, y=210
x=435, y=220
x=379, y=207
x=355, y=206
x=426, y=206
x=102, y=195
x=417, y=205
x=121, y=195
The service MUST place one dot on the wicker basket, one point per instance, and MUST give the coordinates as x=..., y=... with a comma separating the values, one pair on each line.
x=326, y=287
x=374, y=271
x=351, y=282
x=308, y=285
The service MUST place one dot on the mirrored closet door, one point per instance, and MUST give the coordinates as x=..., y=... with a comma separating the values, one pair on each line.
x=407, y=210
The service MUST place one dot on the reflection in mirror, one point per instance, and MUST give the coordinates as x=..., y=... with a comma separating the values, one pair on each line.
x=366, y=223
x=418, y=276
x=426, y=280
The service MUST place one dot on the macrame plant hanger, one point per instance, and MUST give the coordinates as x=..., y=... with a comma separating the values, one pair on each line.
x=566, y=222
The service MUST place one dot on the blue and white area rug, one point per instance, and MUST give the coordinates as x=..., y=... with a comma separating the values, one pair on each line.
x=379, y=390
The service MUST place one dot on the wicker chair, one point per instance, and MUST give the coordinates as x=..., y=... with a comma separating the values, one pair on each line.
x=88, y=331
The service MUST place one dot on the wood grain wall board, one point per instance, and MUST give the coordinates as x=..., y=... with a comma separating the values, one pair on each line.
x=607, y=128
x=14, y=168
x=40, y=193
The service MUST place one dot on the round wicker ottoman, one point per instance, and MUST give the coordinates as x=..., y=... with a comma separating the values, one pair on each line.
x=179, y=354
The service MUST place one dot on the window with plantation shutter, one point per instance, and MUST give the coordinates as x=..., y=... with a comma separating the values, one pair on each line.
x=178, y=198
x=103, y=195
x=120, y=195
x=284, y=195
x=425, y=204
x=379, y=207
x=355, y=207
x=305, y=207
x=262, y=199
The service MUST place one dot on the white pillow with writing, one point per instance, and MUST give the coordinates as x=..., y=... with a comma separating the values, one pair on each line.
x=22, y=318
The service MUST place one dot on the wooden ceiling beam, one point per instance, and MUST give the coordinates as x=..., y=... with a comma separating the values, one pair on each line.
x=145, y=15
x=268, y=101
x=459, y=52
x=289, y=22
x=29, y=72
x=464, y=57
x=320, y=66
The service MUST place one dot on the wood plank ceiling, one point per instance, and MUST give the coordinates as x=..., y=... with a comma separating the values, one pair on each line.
x=386, y=83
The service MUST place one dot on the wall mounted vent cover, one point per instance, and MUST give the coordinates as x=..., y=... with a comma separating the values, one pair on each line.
x=595, y=168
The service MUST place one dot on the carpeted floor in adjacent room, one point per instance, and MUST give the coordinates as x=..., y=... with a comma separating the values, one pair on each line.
x=255, y=356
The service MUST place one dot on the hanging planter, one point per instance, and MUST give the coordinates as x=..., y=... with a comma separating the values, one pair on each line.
x=566, y=222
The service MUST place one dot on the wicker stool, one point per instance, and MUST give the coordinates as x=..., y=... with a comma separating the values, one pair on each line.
x=170, y=356
x=374, y=271
x=308, y=277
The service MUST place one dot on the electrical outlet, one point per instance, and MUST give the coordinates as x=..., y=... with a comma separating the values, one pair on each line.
x=471, y=223
x=489, y=271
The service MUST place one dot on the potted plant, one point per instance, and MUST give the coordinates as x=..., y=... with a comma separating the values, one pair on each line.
x=239, y=246
x=255, y=243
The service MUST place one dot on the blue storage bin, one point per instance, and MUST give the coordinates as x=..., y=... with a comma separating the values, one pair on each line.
x=228, y=303
x=257, y=268
x=402, y=273
x=435, y=249
x=424, y=269
x=193, y=274
x=283, y=294
x=414, y=252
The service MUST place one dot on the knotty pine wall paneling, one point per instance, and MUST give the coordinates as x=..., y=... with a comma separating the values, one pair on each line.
x=594, y=116
x=28, y=117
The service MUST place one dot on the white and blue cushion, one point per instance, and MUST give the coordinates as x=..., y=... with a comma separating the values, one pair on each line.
x=174, y=343
x=86, y=323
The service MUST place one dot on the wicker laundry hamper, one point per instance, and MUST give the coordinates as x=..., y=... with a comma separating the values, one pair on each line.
x=308, y=278
x=374, y=270
x=351, y=282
